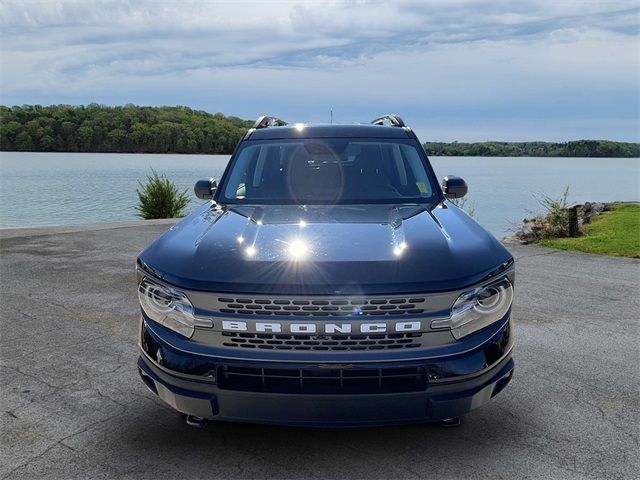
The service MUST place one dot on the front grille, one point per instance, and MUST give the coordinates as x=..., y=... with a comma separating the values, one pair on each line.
x=325, y=342
x=341, y=306
x=323, y=380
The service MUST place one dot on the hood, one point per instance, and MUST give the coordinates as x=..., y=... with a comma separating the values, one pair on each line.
x=325, y=250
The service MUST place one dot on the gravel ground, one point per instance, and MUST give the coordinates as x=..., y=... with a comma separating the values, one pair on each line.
x=74, y=407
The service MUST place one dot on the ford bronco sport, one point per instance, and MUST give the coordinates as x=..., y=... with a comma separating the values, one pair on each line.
x=327, y=281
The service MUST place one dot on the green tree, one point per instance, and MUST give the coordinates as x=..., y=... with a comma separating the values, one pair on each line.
x=122, y=129
x=24, y=142
x=84, y=138
x=8, y=134
x=117, y=140
x=578, y=148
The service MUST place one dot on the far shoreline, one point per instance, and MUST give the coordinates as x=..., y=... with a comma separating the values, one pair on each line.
x=96, y=128
x=229, y=154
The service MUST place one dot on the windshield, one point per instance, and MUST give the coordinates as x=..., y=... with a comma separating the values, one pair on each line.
x=319, y=171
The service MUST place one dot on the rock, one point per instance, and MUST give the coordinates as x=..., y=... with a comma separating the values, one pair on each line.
x=534, y=228
x=526, y=229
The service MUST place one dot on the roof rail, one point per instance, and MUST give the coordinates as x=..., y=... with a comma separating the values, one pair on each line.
x=395, y=120
x=266, y=121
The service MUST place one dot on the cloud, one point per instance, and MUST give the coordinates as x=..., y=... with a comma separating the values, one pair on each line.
x=479, y=63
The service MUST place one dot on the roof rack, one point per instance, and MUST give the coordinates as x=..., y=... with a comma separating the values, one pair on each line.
x=395, y=120
x=266, y=121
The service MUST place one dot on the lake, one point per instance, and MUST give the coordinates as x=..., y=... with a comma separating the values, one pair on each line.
x=41, y=189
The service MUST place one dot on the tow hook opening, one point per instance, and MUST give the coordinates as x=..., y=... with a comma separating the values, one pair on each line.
x=148, y=381
x=503, y=382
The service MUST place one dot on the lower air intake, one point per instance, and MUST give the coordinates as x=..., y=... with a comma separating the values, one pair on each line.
x=323, y=380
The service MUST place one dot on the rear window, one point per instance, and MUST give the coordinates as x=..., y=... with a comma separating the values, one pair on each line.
x=318, y=171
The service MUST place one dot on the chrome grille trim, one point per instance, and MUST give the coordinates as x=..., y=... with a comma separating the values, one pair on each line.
x=320, y=317
x=322, y=307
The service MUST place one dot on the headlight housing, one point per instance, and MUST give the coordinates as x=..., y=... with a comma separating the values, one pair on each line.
x=478, y=308
x=167, y=306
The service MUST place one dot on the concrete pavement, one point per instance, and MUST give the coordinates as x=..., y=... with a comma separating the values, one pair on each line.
x=72, y=404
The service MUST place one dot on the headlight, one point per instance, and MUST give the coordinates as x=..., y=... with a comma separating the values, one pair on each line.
x=478, y=308
x=167, y=306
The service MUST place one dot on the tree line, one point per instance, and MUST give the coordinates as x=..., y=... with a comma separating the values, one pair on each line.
x=137, y=129
x=127, y=129
x=578, y=148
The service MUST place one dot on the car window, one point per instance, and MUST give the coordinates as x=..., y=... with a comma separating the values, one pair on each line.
x=309, y=171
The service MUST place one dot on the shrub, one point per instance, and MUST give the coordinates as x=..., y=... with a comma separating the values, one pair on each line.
x=553, y=223
x=160, y=198
x=556, y=219
x=462, y=204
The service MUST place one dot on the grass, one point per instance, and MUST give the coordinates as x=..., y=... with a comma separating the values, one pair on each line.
x=615, y=232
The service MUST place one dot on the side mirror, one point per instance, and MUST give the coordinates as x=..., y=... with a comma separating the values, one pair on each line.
x=454, y=187
x=205, y=189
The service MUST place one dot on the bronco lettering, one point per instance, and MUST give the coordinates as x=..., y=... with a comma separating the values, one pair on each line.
x=276, y=327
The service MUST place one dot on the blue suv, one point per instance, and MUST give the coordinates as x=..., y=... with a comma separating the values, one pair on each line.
x=327, y=281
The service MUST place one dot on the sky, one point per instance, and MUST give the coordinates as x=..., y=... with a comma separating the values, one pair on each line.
x=455, y=70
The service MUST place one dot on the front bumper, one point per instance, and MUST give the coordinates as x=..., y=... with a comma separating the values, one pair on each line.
x=451, y=386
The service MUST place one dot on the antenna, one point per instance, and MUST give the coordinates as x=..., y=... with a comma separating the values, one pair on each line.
x=332, y=115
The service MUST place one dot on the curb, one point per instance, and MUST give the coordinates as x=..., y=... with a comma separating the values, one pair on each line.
x=7, y=233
